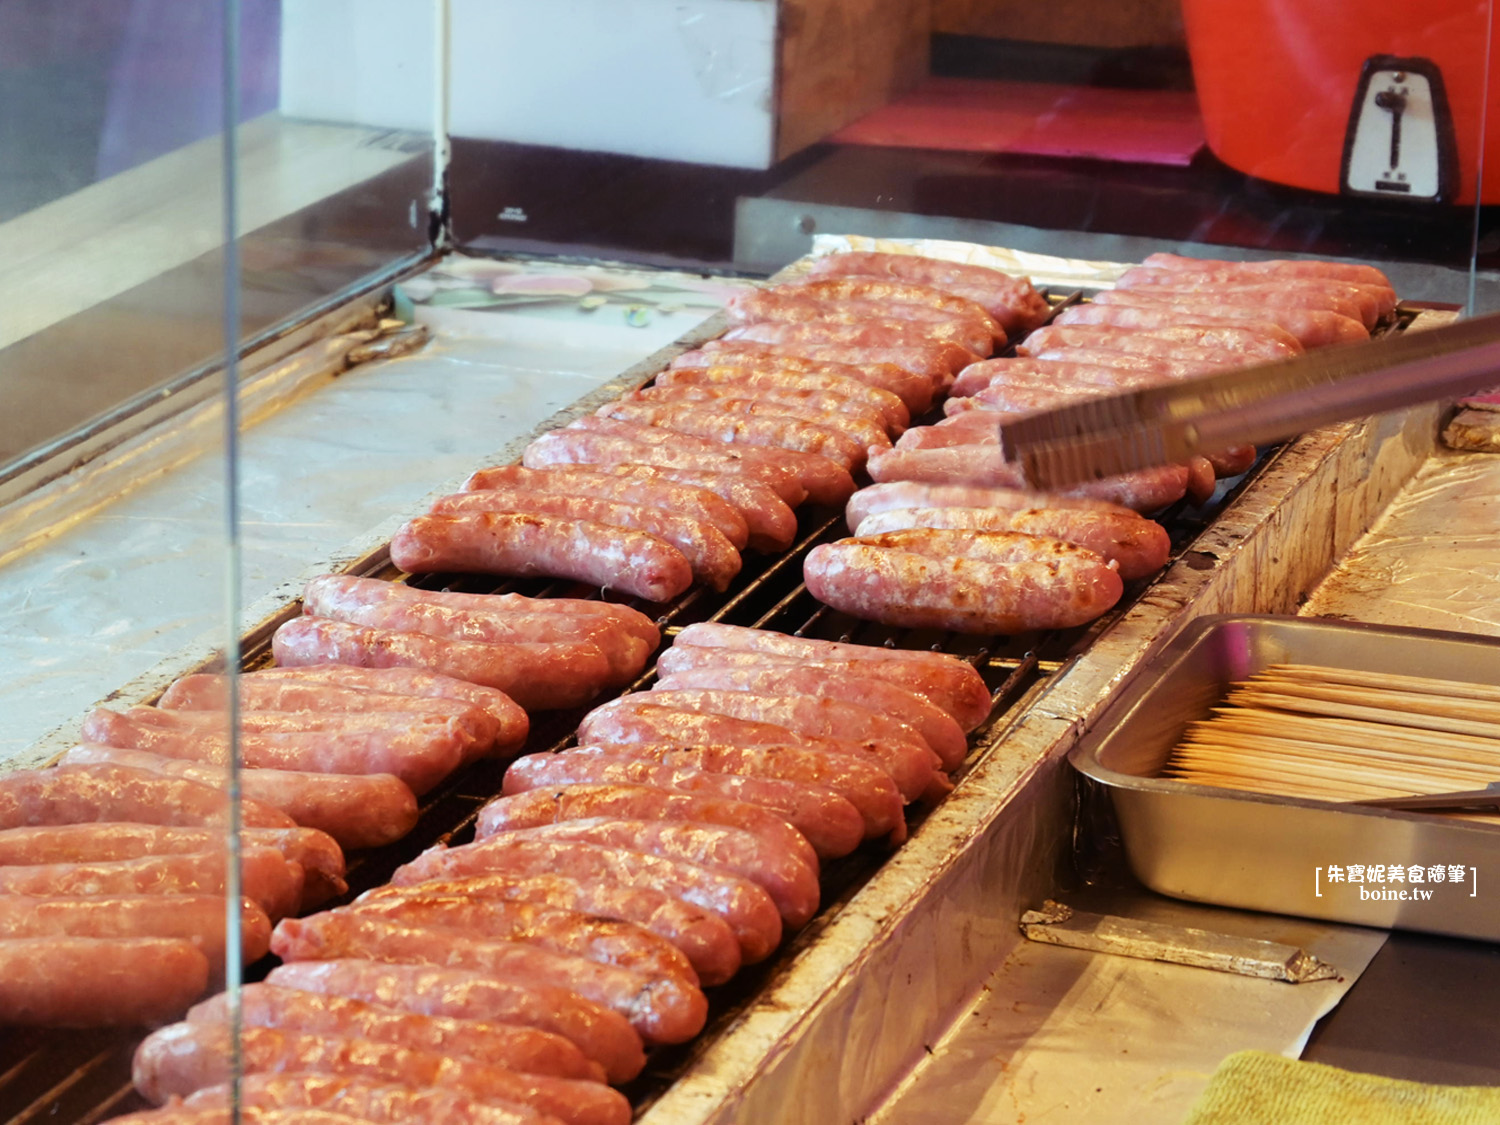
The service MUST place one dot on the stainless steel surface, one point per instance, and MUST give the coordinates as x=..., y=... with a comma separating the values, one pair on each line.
x=1161, y=424
x=1276, y=854
x=1486, y=798
x=1056, y=924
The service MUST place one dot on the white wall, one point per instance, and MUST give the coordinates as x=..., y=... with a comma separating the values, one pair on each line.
x=688, y=80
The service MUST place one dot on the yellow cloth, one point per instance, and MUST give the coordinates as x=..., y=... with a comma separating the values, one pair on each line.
x=1256, y=1088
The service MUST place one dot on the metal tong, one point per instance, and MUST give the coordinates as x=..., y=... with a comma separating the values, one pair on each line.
x=1105, y=436
x=1487, y=798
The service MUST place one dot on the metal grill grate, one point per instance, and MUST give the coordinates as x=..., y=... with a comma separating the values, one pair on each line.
x=58, y=1077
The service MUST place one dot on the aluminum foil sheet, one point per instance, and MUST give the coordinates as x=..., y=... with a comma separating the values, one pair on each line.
x=1063, y=1036
x=1431, y=560
x=142, y=578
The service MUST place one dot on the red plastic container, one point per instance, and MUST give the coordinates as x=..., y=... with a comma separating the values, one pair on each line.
x=1277, y=80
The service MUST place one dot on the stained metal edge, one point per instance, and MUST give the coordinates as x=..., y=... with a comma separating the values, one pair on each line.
x=802, y=1053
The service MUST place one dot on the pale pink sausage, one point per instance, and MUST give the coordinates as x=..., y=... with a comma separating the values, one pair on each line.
x=194, y=918
x=84, y=794
x=494, y=729
x=98, y=982
x=357, y=811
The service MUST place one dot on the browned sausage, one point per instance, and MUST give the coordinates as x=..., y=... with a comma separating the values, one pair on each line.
x=353, y=1097
x=757, y=375
x=603, y=1035
x=972, y=582
x=624, y=559
x=1012, y=301
x=535, y=807
x=704, y=937
x=1137, y=546
x=744, y=905
x=185, y=1057
x=540, y=677
x=764, y=427
x=950, y=682
x=713, y=558
x=484, y=618
x=689, y=500
x=661, y=1009
x=514, y=1046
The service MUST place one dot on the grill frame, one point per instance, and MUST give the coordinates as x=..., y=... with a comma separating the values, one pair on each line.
x=62, y=1076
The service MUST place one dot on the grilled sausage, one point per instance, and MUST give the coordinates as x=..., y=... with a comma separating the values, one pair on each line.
x=727, y=361
x=860, y=781
x=1137, y=546
x=1313, y=327
x=783, y=305
x=910, y=766
x=1253, y=346
x=747, y=908
x=362, y=1100
x=358, y=811
x=913, y=494
x=599, y=554
x=881, y=340
x=600, y=450
x=497, y=729
x=1012, y=301
x=540, y=677
x=193, y=918
x=851, y=416
x=703, y=937
x=185, y=1057
x=600, y=1033
x=267, y=877
x=972, y=582
x=662, y=1009
x=572, y=932
x=713, y=558
x=789, y=878
x=772, y=524
x=824, y=481
x=937, y=728
x=514, y=1046
x=948, y=681
x=758, y=426
x=898, y=296
x=417, y=682
x=481, y=618
x=98, y=982
x=420, y=750
x=689, y=500
x=85, y=794
x=640, y=802
x=1144, y=490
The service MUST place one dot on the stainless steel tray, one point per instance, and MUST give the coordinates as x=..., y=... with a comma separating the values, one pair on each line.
x=1246, y=850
